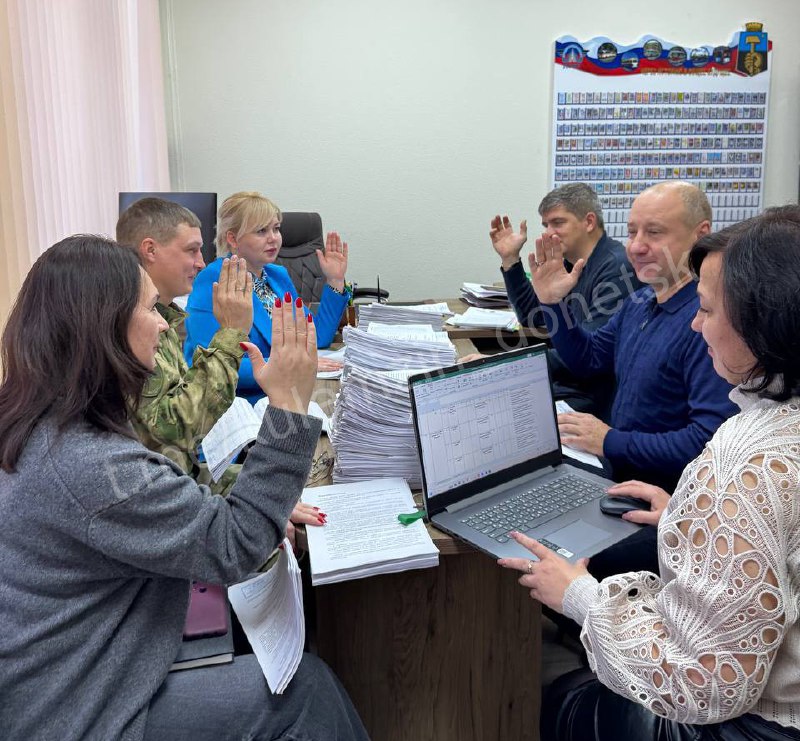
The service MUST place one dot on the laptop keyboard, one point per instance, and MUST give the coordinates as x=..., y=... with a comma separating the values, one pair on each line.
x=531, y=508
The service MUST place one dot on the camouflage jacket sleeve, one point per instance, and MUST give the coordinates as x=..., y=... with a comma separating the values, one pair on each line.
x=179, y=405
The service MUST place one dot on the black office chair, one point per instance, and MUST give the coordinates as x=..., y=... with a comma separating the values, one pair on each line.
x=302, y=237
x=203, y=205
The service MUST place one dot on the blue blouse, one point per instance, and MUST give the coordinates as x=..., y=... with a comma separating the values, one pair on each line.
x=201, y=323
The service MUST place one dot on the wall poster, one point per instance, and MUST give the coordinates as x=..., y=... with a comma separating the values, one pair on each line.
x=626, y=117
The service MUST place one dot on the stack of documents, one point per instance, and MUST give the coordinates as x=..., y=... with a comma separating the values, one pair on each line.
x=433, y=314
x=237, y=428
x=270, y=609
x=485, y=319
x=363, y=536
x=484, y=296
x=372, y=431
x=337, y=355
x=391, y=347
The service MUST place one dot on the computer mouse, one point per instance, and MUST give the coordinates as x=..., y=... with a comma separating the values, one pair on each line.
x=618, y=506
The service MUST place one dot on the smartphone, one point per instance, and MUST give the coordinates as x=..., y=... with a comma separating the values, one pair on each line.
x=208, y=611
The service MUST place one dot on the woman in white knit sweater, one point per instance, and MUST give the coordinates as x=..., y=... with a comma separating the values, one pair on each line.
x=710, y=648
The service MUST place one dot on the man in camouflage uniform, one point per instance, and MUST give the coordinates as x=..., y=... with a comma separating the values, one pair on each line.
x=180, y=404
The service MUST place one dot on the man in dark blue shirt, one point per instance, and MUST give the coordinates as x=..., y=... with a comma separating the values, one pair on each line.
x=574, y=214
x=669, y=401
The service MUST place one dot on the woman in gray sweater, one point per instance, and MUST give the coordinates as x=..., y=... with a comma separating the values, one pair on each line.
x=101, y=537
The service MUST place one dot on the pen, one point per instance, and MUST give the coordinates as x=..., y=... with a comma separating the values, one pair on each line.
x=379, y=289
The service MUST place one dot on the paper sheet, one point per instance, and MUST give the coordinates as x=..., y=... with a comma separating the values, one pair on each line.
x=579, y=455
x=270, y=610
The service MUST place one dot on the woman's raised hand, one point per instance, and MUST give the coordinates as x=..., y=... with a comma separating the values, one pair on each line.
x=289, y=376
x=333, y=261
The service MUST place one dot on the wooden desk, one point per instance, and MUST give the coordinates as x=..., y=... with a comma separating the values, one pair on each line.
x=451, y=653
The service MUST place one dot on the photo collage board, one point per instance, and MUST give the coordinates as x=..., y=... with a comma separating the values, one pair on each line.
x=627, y=117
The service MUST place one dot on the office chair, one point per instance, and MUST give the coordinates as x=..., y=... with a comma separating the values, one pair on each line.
x=203, y=205
x=302, y=236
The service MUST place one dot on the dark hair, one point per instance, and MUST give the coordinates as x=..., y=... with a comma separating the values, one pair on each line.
x=65, y=349
x=577, y=198
x=711, y=243
x=789, y=212
x=154, y=218
x=761, y=287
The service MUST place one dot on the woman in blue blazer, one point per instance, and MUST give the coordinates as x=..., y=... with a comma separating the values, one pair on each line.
x=248, y=225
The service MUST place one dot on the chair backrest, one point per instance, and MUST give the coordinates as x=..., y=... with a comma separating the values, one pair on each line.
x=302, y=236
x=203, y=205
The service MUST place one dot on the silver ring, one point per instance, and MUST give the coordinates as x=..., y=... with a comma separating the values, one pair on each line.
x=530, y=567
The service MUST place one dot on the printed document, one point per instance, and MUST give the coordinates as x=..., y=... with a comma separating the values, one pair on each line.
x=363, y=535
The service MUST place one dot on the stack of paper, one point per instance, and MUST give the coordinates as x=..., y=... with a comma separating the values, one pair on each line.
x=398, y=347
x=237, y=428
x=485, y=319
x=432, y=314
x=337, y=355
x=363, y=536
x=484, y=296
x=270, y=609
x=372, y=430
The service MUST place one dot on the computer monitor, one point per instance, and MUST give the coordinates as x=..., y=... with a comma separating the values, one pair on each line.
x=203, y=205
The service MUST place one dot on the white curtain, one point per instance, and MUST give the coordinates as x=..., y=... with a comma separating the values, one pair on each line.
x=81, y=118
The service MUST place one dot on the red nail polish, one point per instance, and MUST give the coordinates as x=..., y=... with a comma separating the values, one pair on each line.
x=316, y=508
x=298, y=302
x=243, y=346
x=310, y=319
x=321, y=520
x=287, y=297
x=277, y=303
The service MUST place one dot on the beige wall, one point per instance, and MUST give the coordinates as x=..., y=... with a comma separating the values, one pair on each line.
x=409, y=124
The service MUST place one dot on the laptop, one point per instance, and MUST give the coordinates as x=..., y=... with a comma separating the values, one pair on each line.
x=491, y=460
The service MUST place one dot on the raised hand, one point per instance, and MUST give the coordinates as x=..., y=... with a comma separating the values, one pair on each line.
x=333, y=261
x=548, y=576
x=232, y=295
x=550, y=279
x=655, y=496
x=289, y=376
x=506, y=242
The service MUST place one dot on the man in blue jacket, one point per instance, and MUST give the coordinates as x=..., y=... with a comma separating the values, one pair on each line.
x=669, y=401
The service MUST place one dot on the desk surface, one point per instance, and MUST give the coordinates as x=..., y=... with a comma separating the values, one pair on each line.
x=504, y=337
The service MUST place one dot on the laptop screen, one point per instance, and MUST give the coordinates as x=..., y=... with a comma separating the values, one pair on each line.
x=482, y=419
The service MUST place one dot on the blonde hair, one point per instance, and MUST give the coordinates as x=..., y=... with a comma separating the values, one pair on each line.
x=242, y=213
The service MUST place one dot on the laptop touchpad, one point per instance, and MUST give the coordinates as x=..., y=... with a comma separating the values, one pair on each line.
x=577, y=537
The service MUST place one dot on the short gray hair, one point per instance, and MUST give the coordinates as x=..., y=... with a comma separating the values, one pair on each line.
x=577, y=198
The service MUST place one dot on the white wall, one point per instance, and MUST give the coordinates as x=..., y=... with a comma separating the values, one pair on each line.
x=408, y=124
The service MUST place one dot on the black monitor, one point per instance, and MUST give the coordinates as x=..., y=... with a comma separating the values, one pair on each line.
x=203, y=205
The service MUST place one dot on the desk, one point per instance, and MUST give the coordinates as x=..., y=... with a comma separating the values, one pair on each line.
x=451, y=653
x=507, y=340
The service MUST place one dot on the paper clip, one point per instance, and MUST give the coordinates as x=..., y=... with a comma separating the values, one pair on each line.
x=408, y=519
